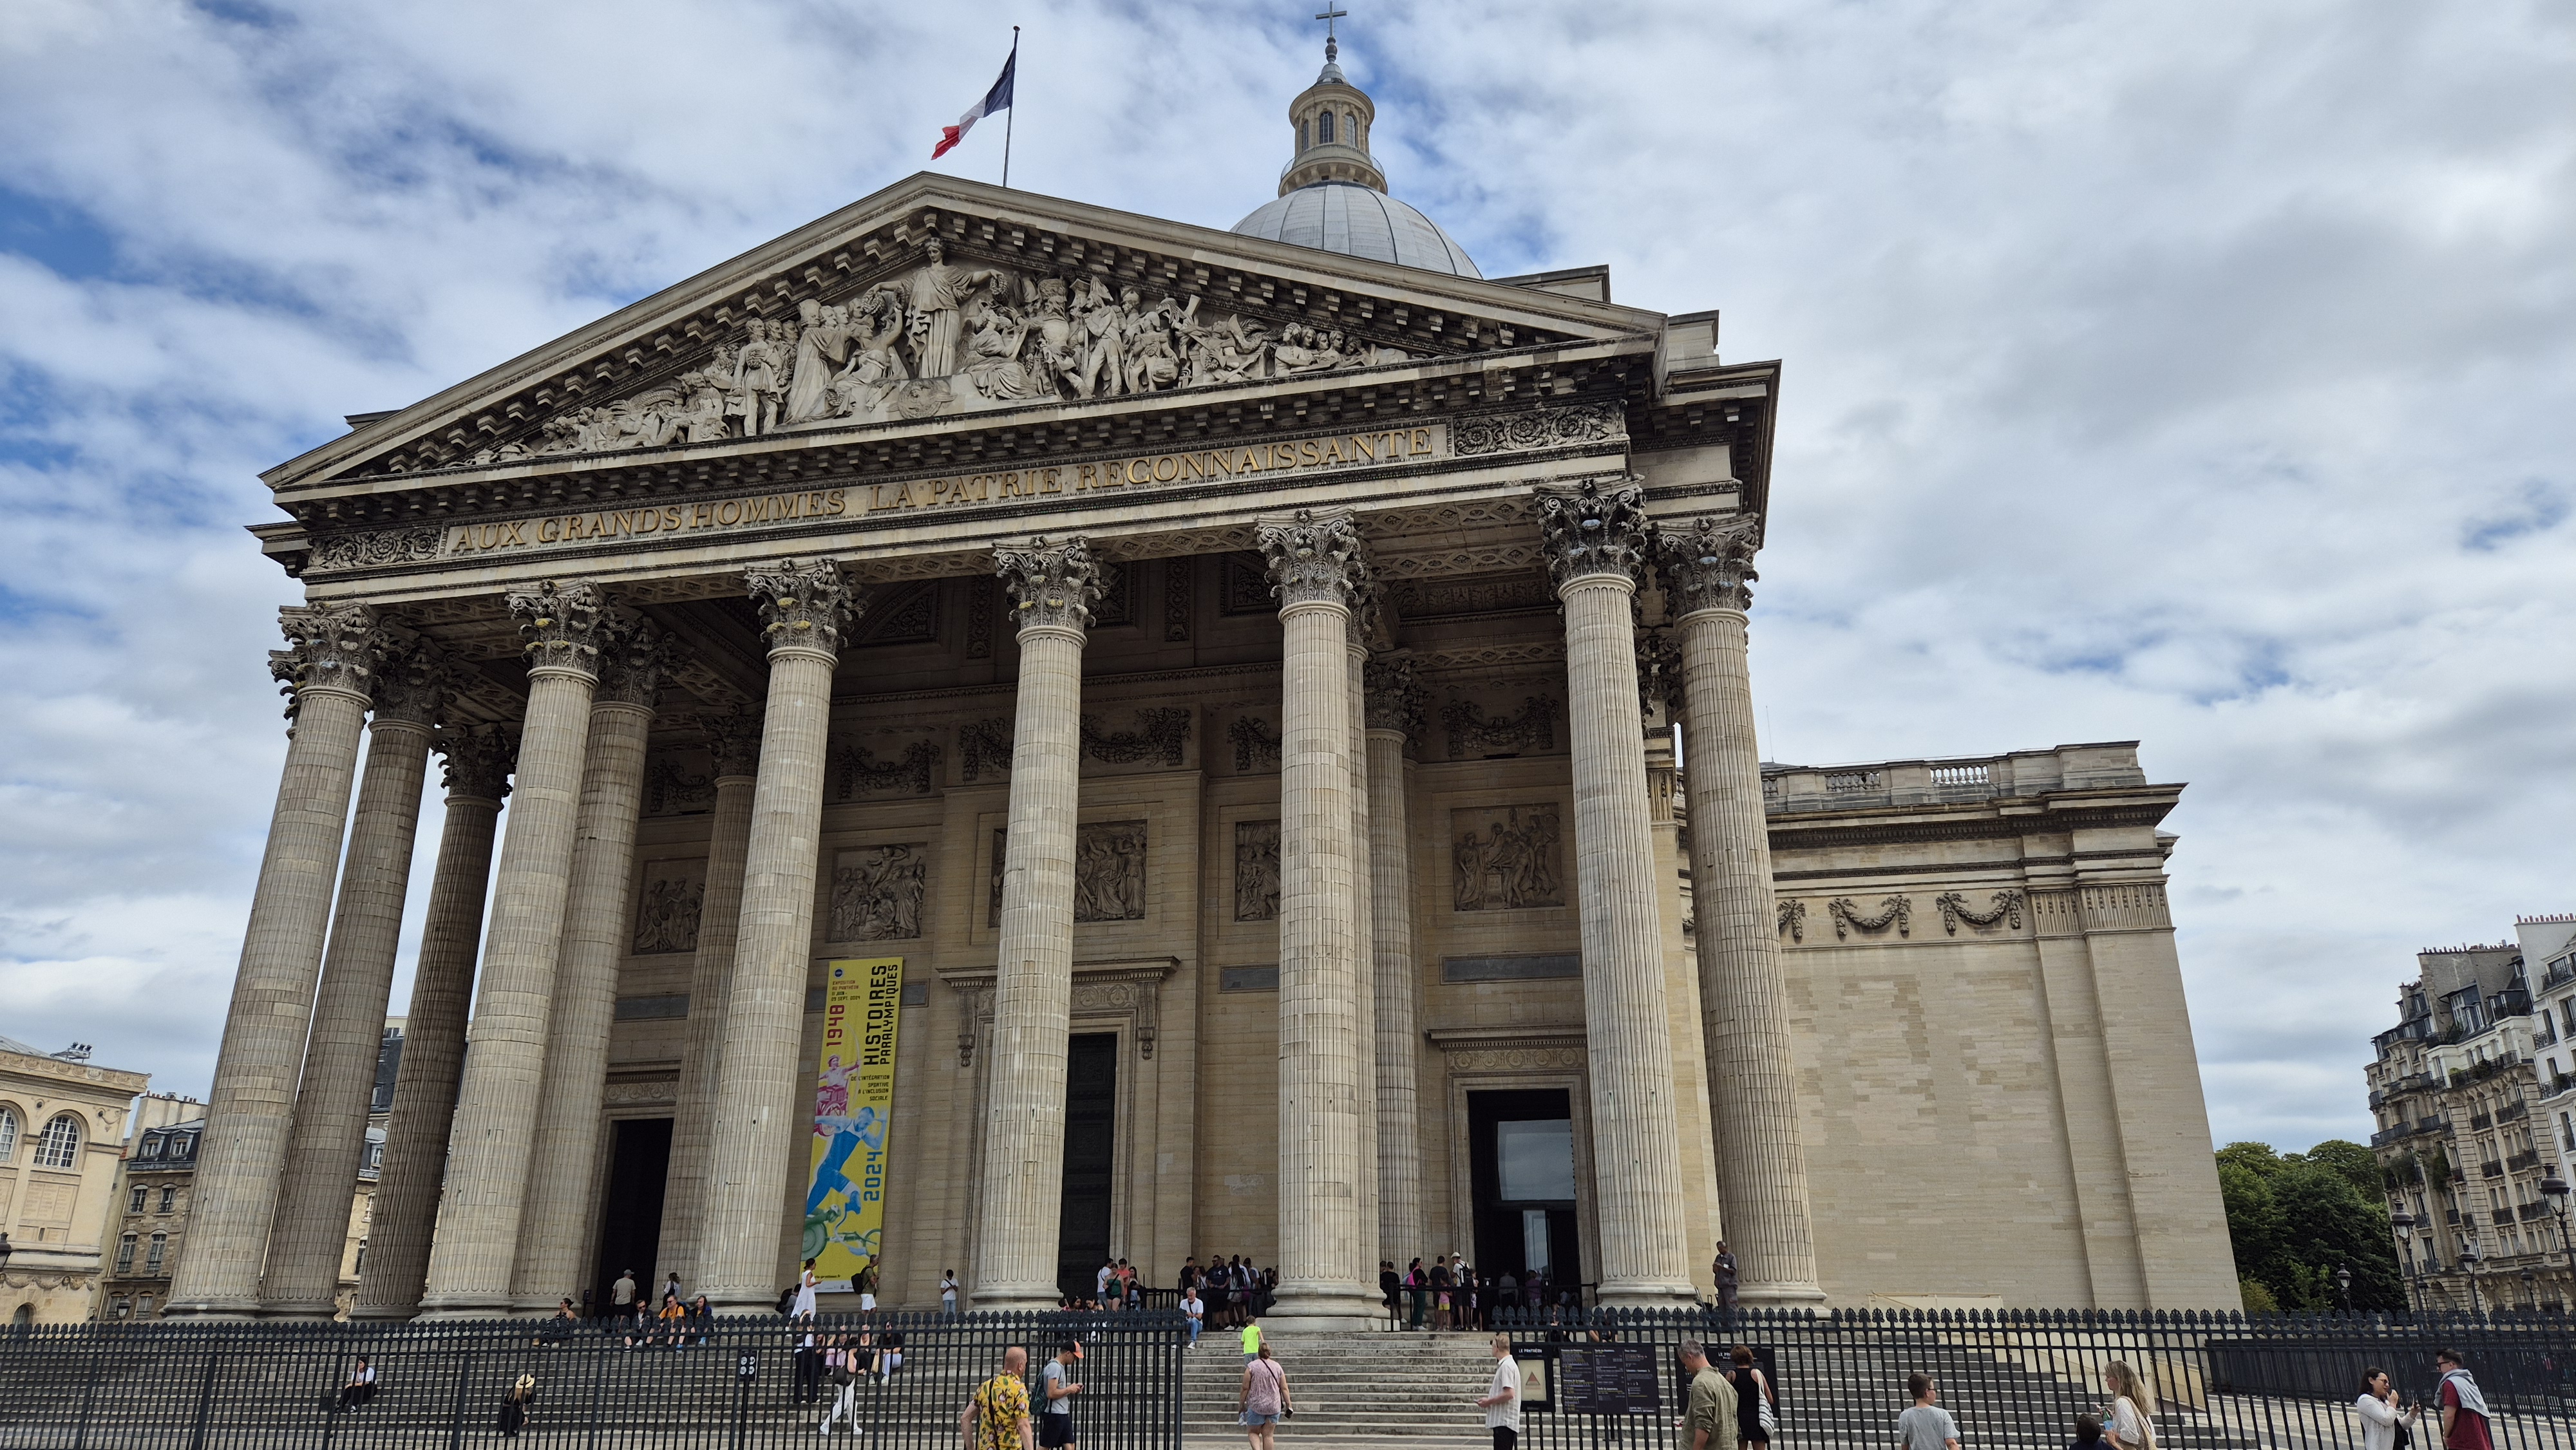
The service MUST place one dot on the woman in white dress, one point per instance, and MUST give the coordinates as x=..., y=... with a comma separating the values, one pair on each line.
x=803, y=1308
x=2379, y=1411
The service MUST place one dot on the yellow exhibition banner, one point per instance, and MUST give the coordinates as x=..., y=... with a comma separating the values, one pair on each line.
x=853, y=1106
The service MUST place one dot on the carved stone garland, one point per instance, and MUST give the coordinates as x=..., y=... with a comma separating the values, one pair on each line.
x=1793, y=918
x=1534, y=728
x=2004, y=907
x=858, y=769
x=1163, y=735
x=1256, y=746
x=1539, y=428
x=1896, y=911
x=984, y=745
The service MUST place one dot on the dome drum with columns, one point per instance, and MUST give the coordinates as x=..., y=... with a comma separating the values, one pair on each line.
x=1191, y=677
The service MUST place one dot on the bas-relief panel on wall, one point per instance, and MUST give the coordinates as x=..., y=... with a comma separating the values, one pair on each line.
x=1508, y=858
x=666, y=910
x=1108, y=872
x=942, y=339
x=877, y=891
x=860, y=771
x=1256, y=870
x=1476, y=730
x=679, y=783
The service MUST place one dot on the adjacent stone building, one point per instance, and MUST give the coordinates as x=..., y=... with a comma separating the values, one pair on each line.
x=1036, y=733
x=2458, y=1088
x=61, y=1121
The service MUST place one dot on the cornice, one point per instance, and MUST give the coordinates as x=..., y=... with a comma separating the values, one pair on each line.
x=2002, y=819
x=126, y=1084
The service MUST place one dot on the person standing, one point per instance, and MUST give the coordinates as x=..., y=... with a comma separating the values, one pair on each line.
x=671, y=1286
x=1710, y=1416
x=808, y=1362
x=1417, y=1288
x=996, y=1416
x=948, y=1293
x=1390, y=1285
x=2127, y=1422
x=841, y=1367
x=1251, y=1340
x=621, y=1295
x=1927, y=1426
x=1263, y=1399
x=865, y=1281
x=1502, y=1398
x=2379, y=1411
x=802, y=1307
x=1439, y=1293
x=1722, y=1269
x=1752, y=1392
x=1055, y=1417
x=2464, y=1407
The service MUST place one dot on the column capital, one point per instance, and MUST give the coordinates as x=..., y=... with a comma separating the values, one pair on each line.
x=1708, y=560
x=1052, y=586
x=1368, y=604
x=1314, y=560
x=328, y=647
x=802, y=606
x=1659, y=671
x=1395, y=696
x=733, y=738
x=479, y=759
x=634, y=655
x=560, y=623
x=411, y=683
x=1591, y=531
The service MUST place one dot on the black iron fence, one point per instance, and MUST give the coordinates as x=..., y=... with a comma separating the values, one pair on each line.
x=2020, y=1378
x=733, y=1383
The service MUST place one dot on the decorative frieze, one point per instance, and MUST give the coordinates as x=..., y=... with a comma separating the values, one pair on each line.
x=1312, y=560
x=1895, y=911
x=375, y=549
x=1162, y=736
x=1473, y=597
x=672, y=789
x=1793, y=918
x=1256, y=871
x=1593, y=530
x=858, y=773
x=2003, y=909
x=1473, y=734
x=877, y=893
x=802, y=605
x=1707, y=562
x=984, y=746
x=1507, y=859
x=1051, y=585
x=1541, y=428
x=1256, y=744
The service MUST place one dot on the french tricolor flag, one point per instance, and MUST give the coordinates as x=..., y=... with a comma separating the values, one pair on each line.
x=996, y=99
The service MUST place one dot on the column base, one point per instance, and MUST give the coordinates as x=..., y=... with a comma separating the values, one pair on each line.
x=383, y=1313
x=455, y=1310
x=1778, y=1296
x=1324, y=1308
x=214, y=1311
x=1633, y=1294
x=1014, y=1299
x=300, y=1313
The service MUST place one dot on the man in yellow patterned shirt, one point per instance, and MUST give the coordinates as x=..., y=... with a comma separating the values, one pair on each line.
x=997, y=1417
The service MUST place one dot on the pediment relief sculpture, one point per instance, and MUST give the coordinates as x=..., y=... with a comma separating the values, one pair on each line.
x=946, y=338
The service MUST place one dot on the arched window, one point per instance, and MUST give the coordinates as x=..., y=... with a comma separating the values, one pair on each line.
x=152, y=1257
x=134, y=1200
x=60, y=1147
x=125, y=1254
x=1351, y=127
x=1301, y=136
x=1324, y=128
x=8, y=1134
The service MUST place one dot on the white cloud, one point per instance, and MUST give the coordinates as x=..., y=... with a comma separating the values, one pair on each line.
x=2198, y=373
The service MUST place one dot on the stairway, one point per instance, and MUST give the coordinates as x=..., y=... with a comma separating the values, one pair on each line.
x=1368, y=1388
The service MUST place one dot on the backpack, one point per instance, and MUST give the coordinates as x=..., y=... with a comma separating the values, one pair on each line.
x=786, y=1298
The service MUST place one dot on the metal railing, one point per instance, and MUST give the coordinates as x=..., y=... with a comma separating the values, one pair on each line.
x=732, y=1383
x=2021, y=1377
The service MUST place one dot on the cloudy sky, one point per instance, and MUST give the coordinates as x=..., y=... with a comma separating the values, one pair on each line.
x=2199, y=373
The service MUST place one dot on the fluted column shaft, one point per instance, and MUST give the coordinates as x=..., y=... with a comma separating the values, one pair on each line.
x=1017, y=1223
x=1364, y=935
x=710, y=984
x=330, y=1137
x=251, y=1107
x=758, y=1130
x=433, y=1057
x=1762, y=1164
x=1325, y=1071
x=555, y=1228
x=1399, y=1142
x=491, y=1135
x=1595, y=540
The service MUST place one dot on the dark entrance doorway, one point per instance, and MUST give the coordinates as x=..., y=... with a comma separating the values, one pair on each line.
x=1520, y=1156
x=630, y=1215
x=1090, y=1136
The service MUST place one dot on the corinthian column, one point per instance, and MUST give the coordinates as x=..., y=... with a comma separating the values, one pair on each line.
x=1052, y=589
x=1595, y=541
x=1394, y=711
x=1325, y=1279
x=330, y=656
x=442, y=983
x=1366, y=605
x=330, y=1137
x=496, y=1105
x=1762, y=1165
x=734, y=740
x=802, y=610
x=554, y=1229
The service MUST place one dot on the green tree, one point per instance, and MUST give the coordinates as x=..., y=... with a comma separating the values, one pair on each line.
x=2294, y=1219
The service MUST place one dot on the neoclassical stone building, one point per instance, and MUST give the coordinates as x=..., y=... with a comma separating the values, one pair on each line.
x=1228, y=680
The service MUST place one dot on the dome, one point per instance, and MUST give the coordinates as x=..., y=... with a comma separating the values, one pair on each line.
x=1358, y=221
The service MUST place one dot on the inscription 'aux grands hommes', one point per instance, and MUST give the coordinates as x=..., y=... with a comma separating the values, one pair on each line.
x=1206, y=465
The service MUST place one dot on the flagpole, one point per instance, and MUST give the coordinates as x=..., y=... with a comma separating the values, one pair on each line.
x=1015, y=108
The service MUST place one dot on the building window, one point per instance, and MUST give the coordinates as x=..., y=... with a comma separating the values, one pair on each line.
x=1324, y=129
x=8, y=1135
x=152, y=1260
x=60, y=1147
x=134, y=1200
x=1301, y=136
x=169, y=1196
x=1351, y=128
x=143, y=1307
x=125, y=1254
x=151, y=1148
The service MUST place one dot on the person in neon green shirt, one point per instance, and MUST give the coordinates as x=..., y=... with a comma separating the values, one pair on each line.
x=1251, y=1341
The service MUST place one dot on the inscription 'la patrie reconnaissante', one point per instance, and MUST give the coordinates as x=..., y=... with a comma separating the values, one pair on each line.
x=1206, y=465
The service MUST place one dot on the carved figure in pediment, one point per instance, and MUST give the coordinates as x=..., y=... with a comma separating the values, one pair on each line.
x=822, y=345
x=1227, y=350
x=1304, y=349
x=936, y=294
x=994, y=363
x=756, y=383
x=876, y=365
x=1153, y=363
x=1101, y=330
x=701, y=412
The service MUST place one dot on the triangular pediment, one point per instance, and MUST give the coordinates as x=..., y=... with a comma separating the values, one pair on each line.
x=848, y=323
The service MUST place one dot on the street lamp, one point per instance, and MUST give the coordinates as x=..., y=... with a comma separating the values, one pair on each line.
x=2530, y=1296
x=2343, y=1286
x=5, y=1250
x=2404, y=1223
x=2553, y=1188
x=2469, y=1259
